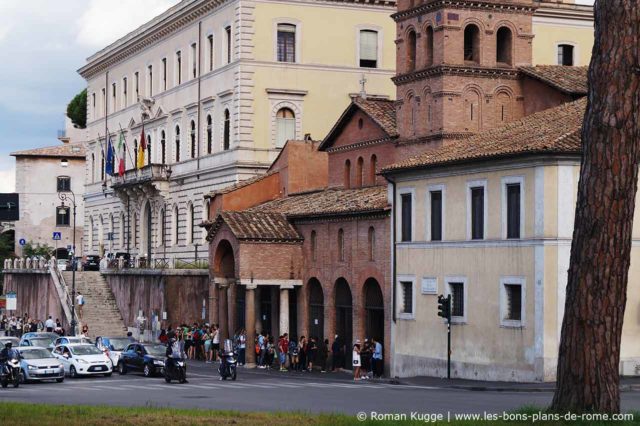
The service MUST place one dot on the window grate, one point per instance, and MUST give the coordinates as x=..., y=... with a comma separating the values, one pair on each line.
x=457, y=299
x=407, y=297
x=514, y=302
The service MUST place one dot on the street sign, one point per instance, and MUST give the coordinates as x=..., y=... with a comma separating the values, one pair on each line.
x=69, y=247
x=12, y=301
x=57, y=236
x=22, y=242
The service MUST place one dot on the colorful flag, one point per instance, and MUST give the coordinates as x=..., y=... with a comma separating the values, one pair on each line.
x=122, y=151
x=109, y=166
x=143, y=148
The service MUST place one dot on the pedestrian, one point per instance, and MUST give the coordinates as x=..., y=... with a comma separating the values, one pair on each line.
x=302, y=354
x=283, y=348
x=80, y=303
x=242, y=346
x=336, y=350
x=49, y=324
x=85, y=331
x=4, y=323
x=323, y=355
x=356, y=361
x=365, y=360
x=130, y=337
x=293, y=354
x=377, y=358
x=262, y=349
x=215, y=343
x=312, y=350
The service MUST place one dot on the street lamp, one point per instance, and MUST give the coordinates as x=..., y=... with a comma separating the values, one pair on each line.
x=63, y=211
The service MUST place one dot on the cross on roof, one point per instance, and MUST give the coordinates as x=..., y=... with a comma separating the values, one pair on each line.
x=363, y=92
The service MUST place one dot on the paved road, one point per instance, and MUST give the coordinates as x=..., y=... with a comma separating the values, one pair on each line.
x=260, y=390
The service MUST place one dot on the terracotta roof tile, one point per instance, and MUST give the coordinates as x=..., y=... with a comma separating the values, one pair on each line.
x=329, y=202
x=62, y=150
x=555, y=130
x=570, y=80
x=240, y=184
x=257, y=226
x=382, y=111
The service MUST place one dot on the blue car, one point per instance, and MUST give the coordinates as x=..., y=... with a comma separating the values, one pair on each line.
x=147, y=358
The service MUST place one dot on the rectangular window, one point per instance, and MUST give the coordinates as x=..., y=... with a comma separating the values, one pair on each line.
x=103, y=101
x=194, y=60
x=113, y=97
x=164, y=73
x=436, y=215
x=210, y=41
x=137, y=85
x=178, y=67
x=477, y=213
x=64, y=184
x=227, y=31
x=513, y=300
x=406, y=217
x=457, y=299
x=124, y=92
x=286, y=43
x=62, y=216
x=513, y=210
x=93, y=103
x=150, y=79
x=407, y=297
x=565, y=54
x=369, y=49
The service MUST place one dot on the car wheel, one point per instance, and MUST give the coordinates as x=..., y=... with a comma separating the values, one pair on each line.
x=146, y=371
x=72, y=372
x=122, y=369
x=60, y=380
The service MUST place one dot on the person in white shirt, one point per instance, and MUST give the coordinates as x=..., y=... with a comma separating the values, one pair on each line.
x=49, y=324
x=80, y=303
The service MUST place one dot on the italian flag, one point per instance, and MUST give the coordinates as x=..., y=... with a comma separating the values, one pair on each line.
x=121, y=154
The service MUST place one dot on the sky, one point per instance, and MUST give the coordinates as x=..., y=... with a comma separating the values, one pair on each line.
x=42, y=45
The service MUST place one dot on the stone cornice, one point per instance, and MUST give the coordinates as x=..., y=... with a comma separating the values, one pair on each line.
x=434, y=137
x=345, y=217
x=432, y=5
x=457, y=70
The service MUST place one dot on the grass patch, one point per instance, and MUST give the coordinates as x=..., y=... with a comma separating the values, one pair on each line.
x=76, y=415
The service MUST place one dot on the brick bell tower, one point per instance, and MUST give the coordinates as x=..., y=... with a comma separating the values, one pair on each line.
x=457, y=65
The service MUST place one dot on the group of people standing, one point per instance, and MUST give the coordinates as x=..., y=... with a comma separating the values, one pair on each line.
x=16, y=326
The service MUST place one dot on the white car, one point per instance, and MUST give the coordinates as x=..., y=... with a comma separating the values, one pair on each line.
x=112, y=346
x=62, y=264
x=80, y=359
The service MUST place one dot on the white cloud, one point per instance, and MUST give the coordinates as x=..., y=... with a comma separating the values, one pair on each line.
x=105, y=21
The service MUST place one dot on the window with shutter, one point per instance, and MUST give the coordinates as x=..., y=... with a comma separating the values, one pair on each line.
x=407, y=297
x=436, y=215
x=286, y=43
x=285, y=126
x=477, y=213
x=406, y=217
x=513, y=210
x=368, y=49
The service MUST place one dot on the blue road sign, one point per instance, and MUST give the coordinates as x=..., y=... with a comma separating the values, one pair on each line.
x=57, y=236
x=22, y=242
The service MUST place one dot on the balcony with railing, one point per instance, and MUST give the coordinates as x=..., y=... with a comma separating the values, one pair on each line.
x=152, y=176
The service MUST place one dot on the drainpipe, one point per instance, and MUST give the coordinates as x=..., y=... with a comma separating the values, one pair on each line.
x=393, y=248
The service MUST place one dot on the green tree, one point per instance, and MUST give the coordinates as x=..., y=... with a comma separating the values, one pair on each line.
x=31, y=250
x=77, y=110
x=6, y=248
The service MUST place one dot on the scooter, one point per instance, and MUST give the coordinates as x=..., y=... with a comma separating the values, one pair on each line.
x=175, y=369
x=228, y=361
x=10, y=373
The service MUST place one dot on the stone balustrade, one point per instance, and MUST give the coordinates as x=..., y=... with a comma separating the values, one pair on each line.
x=28, y=263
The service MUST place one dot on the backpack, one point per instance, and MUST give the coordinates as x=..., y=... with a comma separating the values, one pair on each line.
x=257, y=349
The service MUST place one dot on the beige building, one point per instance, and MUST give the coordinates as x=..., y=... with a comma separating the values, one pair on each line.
x=220, y=85
x=489, y=220
x=41, y=175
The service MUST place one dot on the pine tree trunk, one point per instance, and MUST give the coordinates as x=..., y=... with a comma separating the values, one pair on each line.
x=589, y=355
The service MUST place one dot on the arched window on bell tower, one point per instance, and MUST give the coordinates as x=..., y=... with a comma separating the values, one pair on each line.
x=504, y=43
x=428, y=47
x=472, y=44
x=411, y=50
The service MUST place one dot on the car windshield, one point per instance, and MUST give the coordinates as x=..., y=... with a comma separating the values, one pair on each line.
x=156, y=350
x=41, y=341
x=85, y=350
x=119, y=344
x=80, y=340
x=36, y=354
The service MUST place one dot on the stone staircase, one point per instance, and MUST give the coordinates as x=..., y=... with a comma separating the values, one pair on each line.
x=100, y=311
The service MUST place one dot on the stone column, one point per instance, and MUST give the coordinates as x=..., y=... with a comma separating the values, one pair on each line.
x=250, y=320
x=213, y=302
x=233, y=306
x=223, y=313
x=284, y=309
x=275, y=315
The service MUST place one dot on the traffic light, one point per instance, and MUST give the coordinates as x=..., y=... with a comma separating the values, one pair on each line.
x=444, y=307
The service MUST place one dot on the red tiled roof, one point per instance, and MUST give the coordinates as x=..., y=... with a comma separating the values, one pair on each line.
x=382, y=111
x=256, y=226
x=67, y=150
x=329, y=202
x=570, y=80
x=555, y=130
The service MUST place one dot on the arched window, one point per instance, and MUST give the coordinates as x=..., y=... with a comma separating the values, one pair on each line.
x=347, y=174
x=411, y=51
x=504, y=107
x=193, y=139
x=285, y=126
x=190, y=224
x=359, y=172
x=227, y=130
x=313, y=245
x=373, y=168
x=209, y=135
x=504, y=42
x=472, y=44
x=341, y=245
x=177, y=144
x=163, y=147
x=472, y=106
x=411, y=116
x=428, y=47
x=148, y=149
x=372, y=243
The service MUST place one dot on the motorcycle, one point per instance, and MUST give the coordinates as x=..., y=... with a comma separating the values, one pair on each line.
x=10, y=373
x=175, y=369
x=229, y=362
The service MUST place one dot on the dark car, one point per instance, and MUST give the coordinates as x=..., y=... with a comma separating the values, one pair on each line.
x=125, y=256
x=91, y=263
x=145, y=357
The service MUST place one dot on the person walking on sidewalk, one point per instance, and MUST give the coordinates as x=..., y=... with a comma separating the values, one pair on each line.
x=283, y=348
x=356, y=361
x=312, y=351
x=323, y=355
x=242, y=346
x=293, y=355
x=337, y=352
x=80, y=303
x=377, y=358
x=49, y=324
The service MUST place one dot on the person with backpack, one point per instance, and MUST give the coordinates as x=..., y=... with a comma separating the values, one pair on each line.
x=312, y=350
x=293, y=355
x=283, y=348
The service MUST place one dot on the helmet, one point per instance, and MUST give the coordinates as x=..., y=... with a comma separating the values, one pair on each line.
x=8, y=345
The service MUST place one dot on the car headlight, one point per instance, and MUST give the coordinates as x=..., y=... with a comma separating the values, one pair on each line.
x=158, y=362
x=31, y=367
x=61, y=366
x=82, y=361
